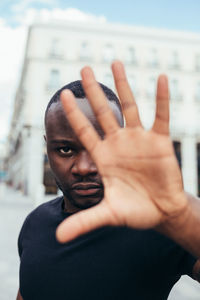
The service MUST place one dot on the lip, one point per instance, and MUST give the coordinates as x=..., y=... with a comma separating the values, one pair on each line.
x=86, y=189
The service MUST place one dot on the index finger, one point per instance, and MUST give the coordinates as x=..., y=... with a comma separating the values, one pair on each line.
x=78, y=121
x=98, y=102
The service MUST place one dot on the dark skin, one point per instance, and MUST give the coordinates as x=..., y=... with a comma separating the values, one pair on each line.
x=75, y=172
x=142, y=181
x=70, y=161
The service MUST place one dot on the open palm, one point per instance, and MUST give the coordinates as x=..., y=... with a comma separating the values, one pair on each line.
x=142, y=180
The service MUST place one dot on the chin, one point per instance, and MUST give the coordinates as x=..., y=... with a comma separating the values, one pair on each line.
x=81, y=200
x=85, y=203
x=90, y=204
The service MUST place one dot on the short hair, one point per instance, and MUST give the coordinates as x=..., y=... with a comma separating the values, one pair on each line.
x=77, y=89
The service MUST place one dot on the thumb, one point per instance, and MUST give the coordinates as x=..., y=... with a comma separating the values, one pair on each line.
x=84, y=221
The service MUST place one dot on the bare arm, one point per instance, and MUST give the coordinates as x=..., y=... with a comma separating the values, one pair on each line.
x=142, y=181
x=185, y=230
x=19, y=297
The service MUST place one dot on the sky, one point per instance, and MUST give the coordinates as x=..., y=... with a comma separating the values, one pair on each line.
x=15, y=16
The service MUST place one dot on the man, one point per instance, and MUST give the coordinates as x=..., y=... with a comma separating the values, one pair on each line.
x=139, y=195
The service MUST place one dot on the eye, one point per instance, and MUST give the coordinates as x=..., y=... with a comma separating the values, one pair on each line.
x=65, y=151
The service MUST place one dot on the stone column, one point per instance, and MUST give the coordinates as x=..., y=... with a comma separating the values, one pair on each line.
x=189, y=164
x=35, y=168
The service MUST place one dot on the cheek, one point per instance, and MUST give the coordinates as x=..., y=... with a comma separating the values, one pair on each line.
x=60, y=166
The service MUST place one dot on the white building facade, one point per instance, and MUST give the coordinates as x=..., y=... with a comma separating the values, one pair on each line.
x=56, y=53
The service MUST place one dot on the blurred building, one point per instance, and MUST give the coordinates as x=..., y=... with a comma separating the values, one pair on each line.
x=3, y=155
x=54, y=56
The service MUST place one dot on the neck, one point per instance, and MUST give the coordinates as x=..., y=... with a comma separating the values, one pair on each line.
x=69, y=207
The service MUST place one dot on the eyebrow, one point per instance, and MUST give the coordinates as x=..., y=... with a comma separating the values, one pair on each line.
x=61, y=141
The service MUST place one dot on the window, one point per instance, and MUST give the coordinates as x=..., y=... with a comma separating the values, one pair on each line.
x=153, y=58
x=174, y=61
x=131, y=56
x=48, y=178
x=54, y=79
x=55, y=50
x=108, y=53
x=174, y=89
x=197, y=93
x=197, y=62
x=84, y=51
x=151, y=87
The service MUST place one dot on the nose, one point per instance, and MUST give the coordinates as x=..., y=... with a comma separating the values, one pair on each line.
x=84, y=165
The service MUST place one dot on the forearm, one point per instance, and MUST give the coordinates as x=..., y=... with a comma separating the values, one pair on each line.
x=185, y=229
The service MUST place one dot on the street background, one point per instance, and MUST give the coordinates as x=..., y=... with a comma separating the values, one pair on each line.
x=50, y=53
x=14, y=207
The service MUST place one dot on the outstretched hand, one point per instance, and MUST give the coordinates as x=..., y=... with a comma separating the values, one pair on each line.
x=142, y=181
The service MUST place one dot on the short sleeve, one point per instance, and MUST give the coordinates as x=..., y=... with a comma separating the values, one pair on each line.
x=188, y=264
x=21, y=236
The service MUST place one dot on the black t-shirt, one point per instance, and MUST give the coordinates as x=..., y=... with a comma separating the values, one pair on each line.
x=108, y=264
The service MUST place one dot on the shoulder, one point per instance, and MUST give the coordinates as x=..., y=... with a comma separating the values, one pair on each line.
x=52, y=206
x=41, y=220
x=42, y=216
x=51, y=210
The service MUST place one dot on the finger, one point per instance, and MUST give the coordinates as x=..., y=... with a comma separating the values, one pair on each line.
x=98, y=102
x=161, y=123
x=128, y=103
x=78, y=121
x=83, y=222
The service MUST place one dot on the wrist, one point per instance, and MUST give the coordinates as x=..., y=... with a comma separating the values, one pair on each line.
x=175, y=225
x=184, y=227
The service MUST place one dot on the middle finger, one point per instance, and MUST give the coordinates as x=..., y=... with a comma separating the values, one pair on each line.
x=98, y=102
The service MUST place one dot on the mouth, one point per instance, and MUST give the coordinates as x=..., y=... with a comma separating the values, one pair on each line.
x=87, y=189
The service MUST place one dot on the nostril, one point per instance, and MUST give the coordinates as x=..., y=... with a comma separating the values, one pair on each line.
x=84, y=165
x=84, y=171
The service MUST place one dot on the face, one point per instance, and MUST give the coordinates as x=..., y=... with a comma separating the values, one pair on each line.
x=74, y=171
